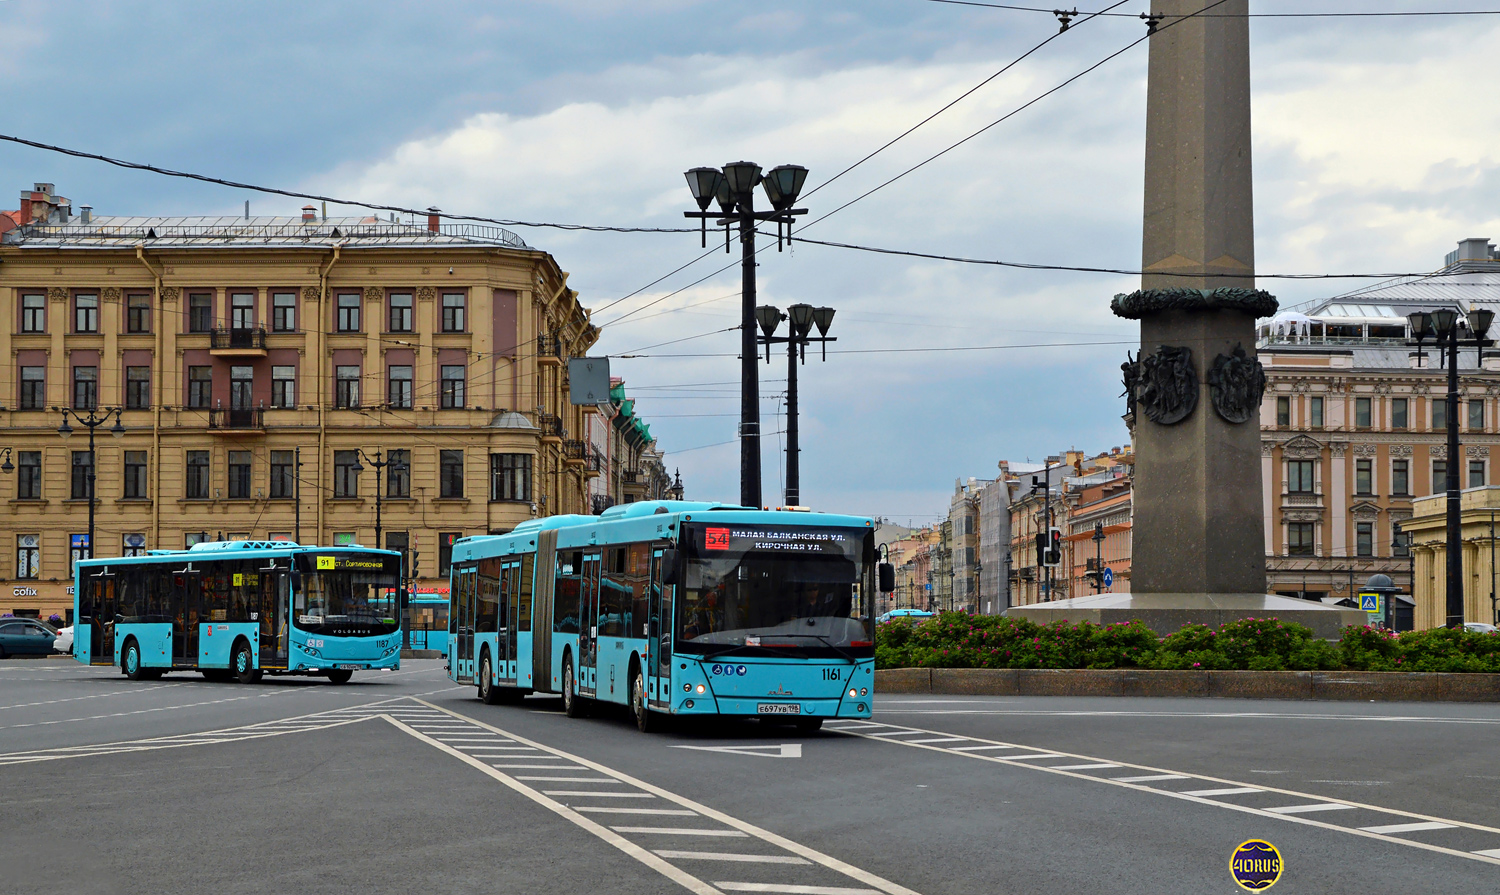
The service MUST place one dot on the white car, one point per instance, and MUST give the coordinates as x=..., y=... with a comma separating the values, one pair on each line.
x=1479, y=627
x=64, y=641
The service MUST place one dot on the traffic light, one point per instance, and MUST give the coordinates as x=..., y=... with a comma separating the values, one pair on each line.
x=1041, y=548
x=1052, y=555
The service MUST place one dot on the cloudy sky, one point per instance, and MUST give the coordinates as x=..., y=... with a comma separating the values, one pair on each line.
x=1375, y=150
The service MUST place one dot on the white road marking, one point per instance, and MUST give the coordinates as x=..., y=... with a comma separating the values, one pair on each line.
x=1020, y=757
x=941, y=740
x=1410, y=828
x=597, y=795
x=1231, y=791
x=1380, y=833
x=1489, y=852
x=1304, y=809
x=980, y=748
x=793, y=890
x=569, y=779
x=1084, y=767
x=664, y=812
x=682, y=831
x=533, y=767
x=778, y=750
x=730, y=856
x=647, y=790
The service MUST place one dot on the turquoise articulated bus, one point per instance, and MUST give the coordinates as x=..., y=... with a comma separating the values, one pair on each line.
x=675, y=609
x=240, y=609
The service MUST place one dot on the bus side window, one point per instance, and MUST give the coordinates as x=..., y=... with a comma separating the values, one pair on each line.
x=528, y=562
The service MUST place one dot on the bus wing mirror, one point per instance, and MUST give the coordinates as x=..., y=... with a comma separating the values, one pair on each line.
x=887, y=574
x=669, y=562
x=297, y=581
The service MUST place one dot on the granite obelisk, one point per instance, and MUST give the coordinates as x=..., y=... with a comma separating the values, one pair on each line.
x=1196, y=386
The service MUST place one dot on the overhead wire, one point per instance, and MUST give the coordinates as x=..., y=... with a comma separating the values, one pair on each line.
x=1231, y=15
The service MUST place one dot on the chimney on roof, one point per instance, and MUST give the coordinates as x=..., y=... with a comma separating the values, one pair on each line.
x=86, y=214
x=309, y=214
x=40, y=205
x=433, y=218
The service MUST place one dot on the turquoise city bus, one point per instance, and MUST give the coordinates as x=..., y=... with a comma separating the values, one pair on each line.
x=239, y=609
x=673, y=608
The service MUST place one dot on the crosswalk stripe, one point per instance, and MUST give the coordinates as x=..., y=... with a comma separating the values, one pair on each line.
x=1082, y=767
x=1231, y=791
x=783, y=889
x=1149, y=778
x=1304, y=809
x=682, y=831
x=1409, y=828
x=729, y=856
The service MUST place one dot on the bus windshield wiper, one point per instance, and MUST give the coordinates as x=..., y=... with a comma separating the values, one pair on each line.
x=732, y=649
x=829, y=643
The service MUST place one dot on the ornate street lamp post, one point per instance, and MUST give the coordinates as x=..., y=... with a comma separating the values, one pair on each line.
x=733, y=189
x=380, y=464
x=803, y=317
x=1450, y=333
x=91, y=420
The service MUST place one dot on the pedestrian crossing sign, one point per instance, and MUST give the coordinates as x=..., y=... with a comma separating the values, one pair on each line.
x=1370, y=603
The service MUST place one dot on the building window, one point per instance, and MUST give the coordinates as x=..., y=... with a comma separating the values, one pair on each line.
x=451, y=474
x=200, y=312
x=135, y=475
x=241, y=387
x=1299, y=476
x=138, y=313
x=400, y=312
x=1398, y=413
x=1283, y=412
x=33, y=388
x=200, y=387
x=133, y=545
x=239, y=475
x=284, y=312
x=1364, y=539
x=398, y=386
x=241, y=311
x=1364, y=477
x=85, y=388
x=137, y=388
x=348, y=321
x=283, y=474
x=83, y=475
x=1400, y=478
x=33, y=313
x=189, y=539
x=1439, y=413
x=510, y=477
x=1316, y=405
x=453, y=386
x=346, y=387
x=398, y=474
x=1439, y=476
x=346, y=473
x=29, y=475
x=85, y=313
x=1299, y=539
x=1362, y=413
x=196, y=483
x=284, y=387
x=1476, y=473
x=453, y=312
x=445, y=550
x=1476, y=415
x=1400, y=542
x=400, y=542
x=28, y=556
x=82, y=548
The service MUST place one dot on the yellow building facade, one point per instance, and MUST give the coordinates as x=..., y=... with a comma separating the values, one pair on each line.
x=1479, y=521
x=260, y=367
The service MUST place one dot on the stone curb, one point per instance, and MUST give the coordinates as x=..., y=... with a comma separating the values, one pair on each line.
x=1382, y=686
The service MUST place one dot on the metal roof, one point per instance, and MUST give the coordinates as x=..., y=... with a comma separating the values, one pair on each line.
x=116, y=232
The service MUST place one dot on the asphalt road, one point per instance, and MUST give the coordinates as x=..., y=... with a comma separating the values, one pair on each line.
x=402, y=782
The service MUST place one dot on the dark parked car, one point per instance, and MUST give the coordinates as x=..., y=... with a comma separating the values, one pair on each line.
x=25, y=637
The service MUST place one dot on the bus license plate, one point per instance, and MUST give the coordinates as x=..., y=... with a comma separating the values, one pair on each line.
x=351, y=667
x=778, y=708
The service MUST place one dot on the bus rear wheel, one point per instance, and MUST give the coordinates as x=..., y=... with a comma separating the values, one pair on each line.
x=130, y=663
x=572, y=702
x=340, y=676
x=489, y=694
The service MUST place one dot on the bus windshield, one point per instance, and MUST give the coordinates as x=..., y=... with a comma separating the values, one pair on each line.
x=347, y=595
x=806, y=590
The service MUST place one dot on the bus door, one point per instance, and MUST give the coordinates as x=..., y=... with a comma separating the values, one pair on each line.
x=658, y=659
x=98, y=607
x=271, y=612
x=184, y=612
x=588, y=625
x=505, y=647
x=468, y=594
x=512, y=614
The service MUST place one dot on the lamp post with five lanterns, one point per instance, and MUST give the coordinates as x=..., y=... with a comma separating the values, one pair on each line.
x=92, y=419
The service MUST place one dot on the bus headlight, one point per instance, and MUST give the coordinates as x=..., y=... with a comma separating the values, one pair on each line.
x=853, y=693
x=687, y=688
x=701, y=689
x=860, y=707
x=863, y=691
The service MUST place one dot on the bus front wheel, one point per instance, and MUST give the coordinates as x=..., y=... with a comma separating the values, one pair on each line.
x=242, y=666
x=488, y=693
x=572, y=702
x=340, y=676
